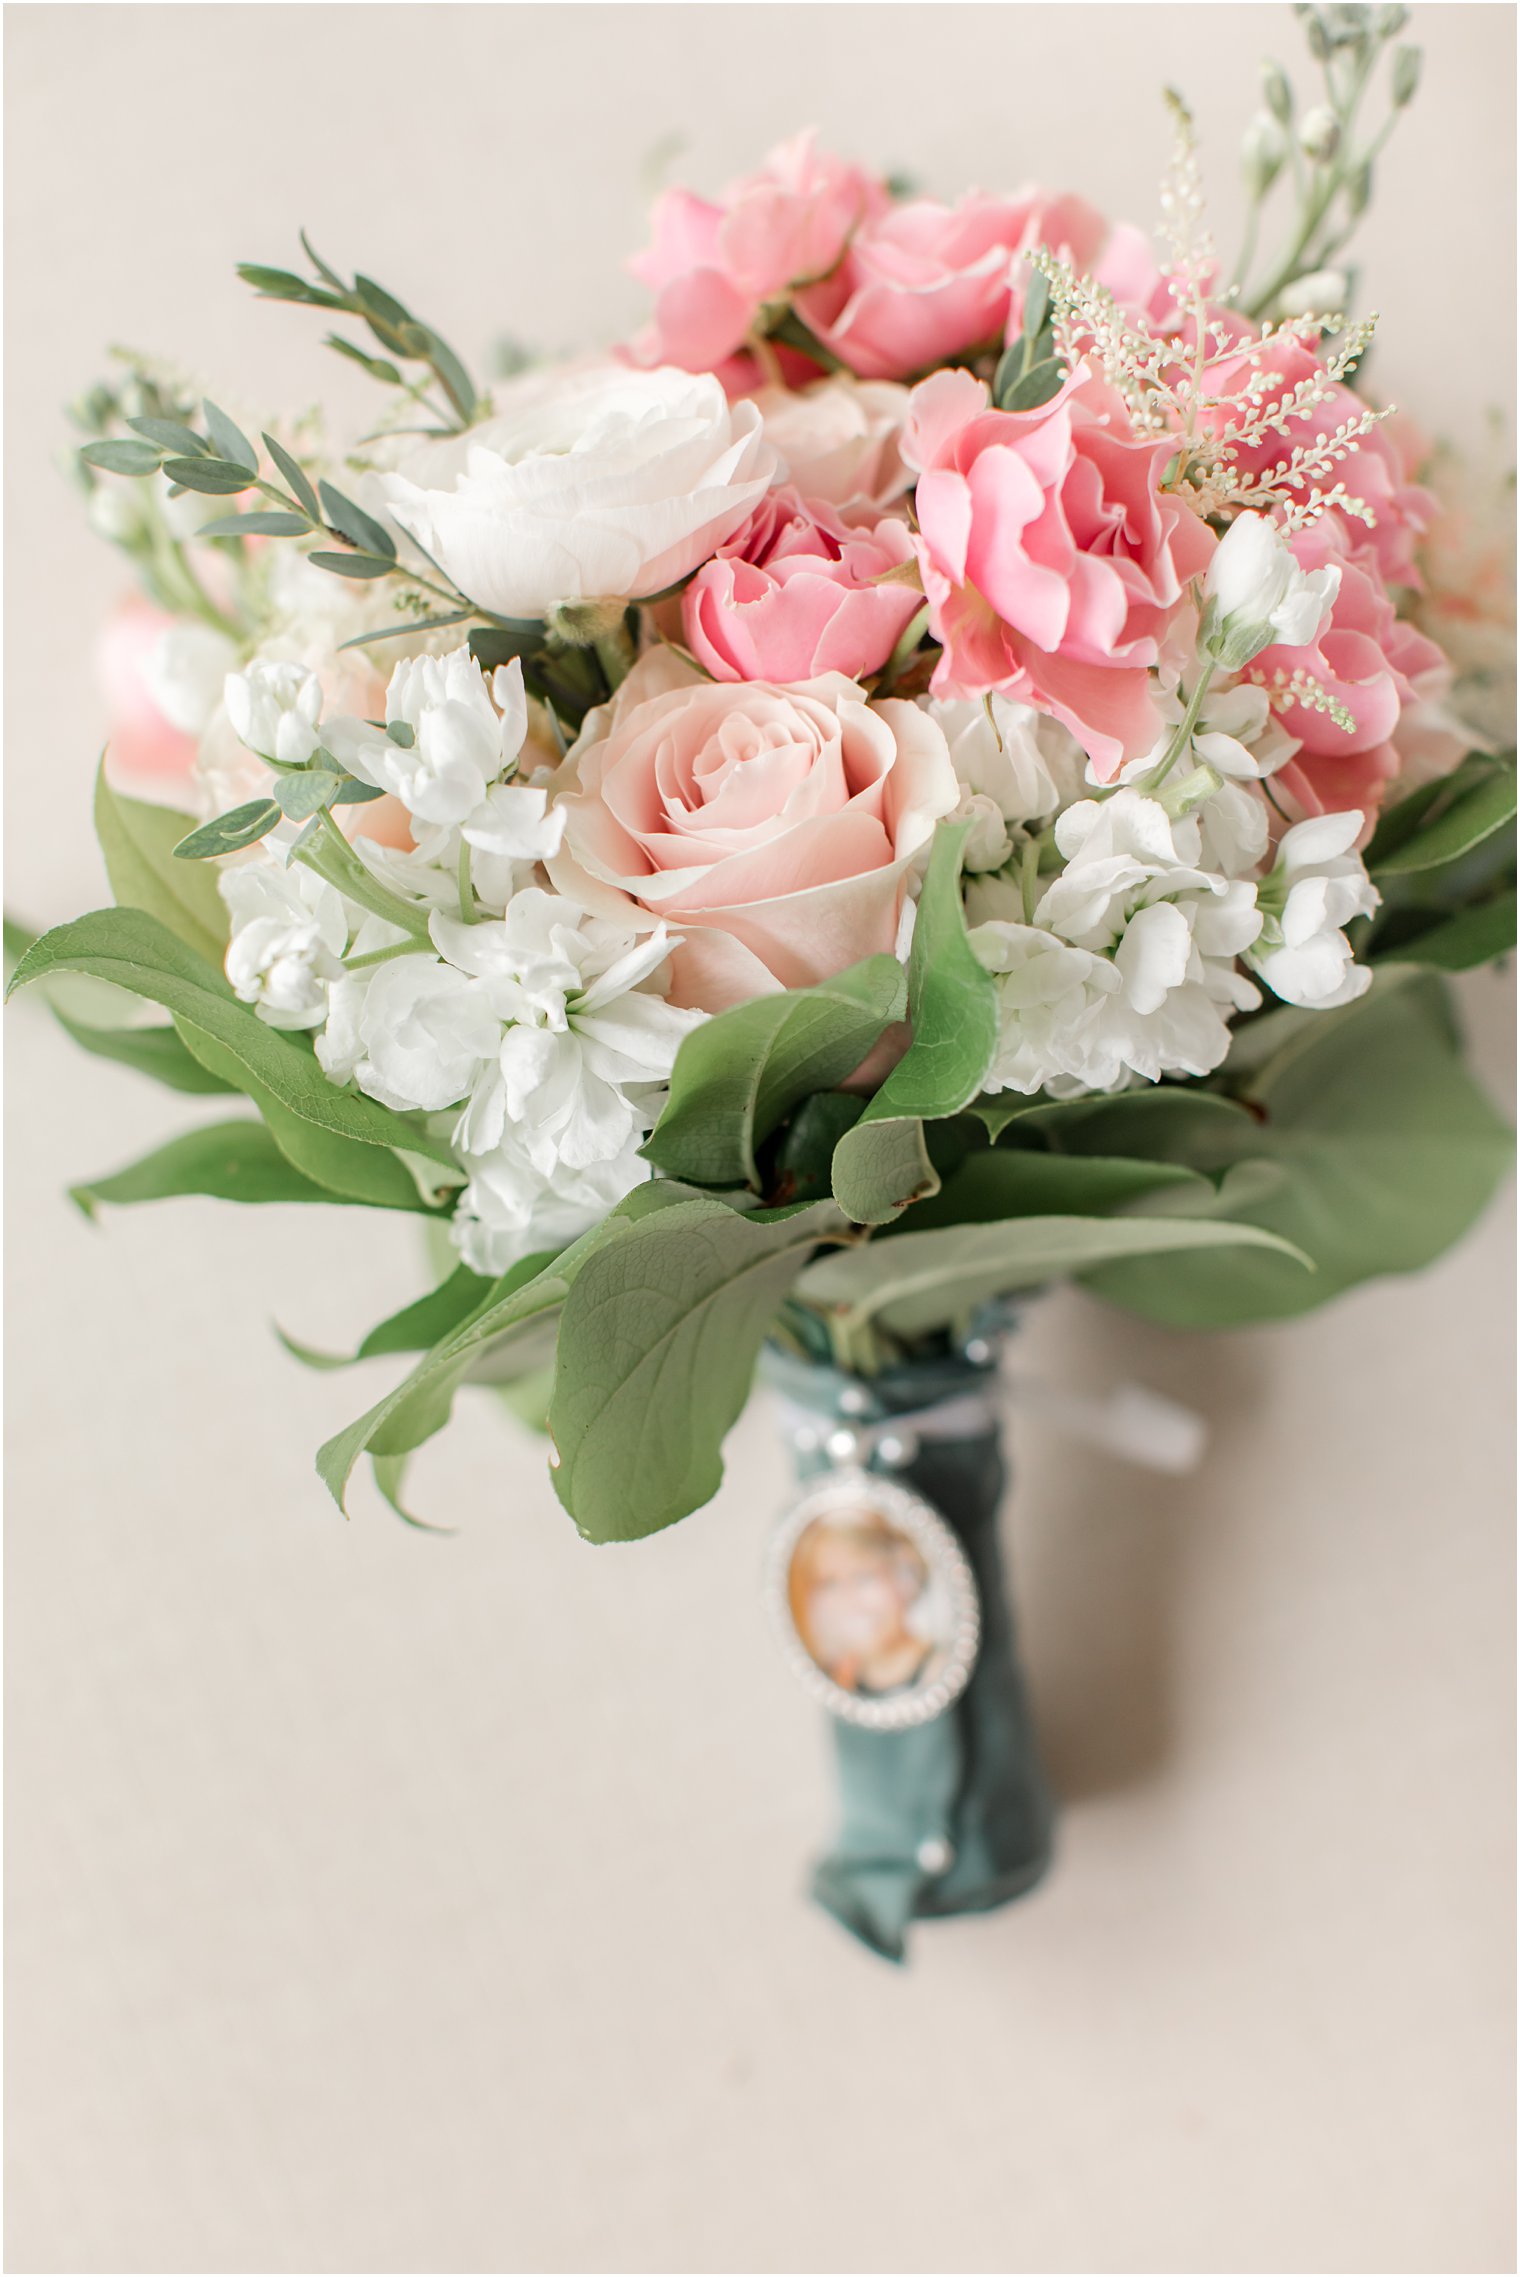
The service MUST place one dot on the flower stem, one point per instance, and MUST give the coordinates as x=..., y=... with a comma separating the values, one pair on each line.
x=1184, y=734
x=332, y=857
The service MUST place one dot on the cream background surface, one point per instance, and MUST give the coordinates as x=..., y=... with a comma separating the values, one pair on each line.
x=385, y=1903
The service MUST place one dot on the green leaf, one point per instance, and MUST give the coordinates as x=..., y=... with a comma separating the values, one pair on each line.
x=170, y=435
x=805, y=1156
x=138, y=842
x=491, y=645
x=741, y=1072
x=407, y=631
x=217, y=477
x=915, y=1283
x=1455, y=944
x=1009, y=1182
x=308, y=792
x=1398, y=823
x=241, y=826
x=457, y=384
x=283, y=284
x=1465, y=823
x=883, y=1164
x=415, y=1328
x=344, y=1169
x=295, y=474
x=1389, y=1151
x=353, y=523
x=378, y=367
x=353, y=793
x=353, y=564
x=122, y=457
x=259, y=525
x=235, y=1162
x=657, y=1345
x=137, y=953
x=228, y=439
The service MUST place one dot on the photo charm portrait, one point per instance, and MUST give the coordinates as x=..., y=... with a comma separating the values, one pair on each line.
x=961, y=757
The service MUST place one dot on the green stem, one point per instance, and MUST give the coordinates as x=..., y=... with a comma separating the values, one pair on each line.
x=407, y=948
x=467, y=908
x=1184, y=735
x=332, y=857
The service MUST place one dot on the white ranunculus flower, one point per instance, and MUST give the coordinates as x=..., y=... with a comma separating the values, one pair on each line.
x=1317, y=886
x=274, y=710
x=185, y=672
x=591, y=484
x=289, y=931
x=425, y=1031
x=1256, y=594
x=511, y=1208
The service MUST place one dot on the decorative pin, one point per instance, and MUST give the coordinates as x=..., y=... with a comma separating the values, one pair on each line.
x=874, y=1600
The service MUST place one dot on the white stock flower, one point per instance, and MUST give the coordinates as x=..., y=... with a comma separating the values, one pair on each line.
x=185, y=672
x=595, y=483
x=1256, y=594
x=453, y=744
x=414, y=1033
x=289, y=930
x=1317, y=886
x=1015, y=767
x=511, y=1208
x=586, y=1040
x=274, y=710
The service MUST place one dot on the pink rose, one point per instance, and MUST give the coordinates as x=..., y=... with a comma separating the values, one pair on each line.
x=1054, y=562
x=795, y=594
x=141, y=740
x=774, y=829
x=1376, y=470
x=1389, y=677
x=923, y=282
x=839, y=439
x=711, y=266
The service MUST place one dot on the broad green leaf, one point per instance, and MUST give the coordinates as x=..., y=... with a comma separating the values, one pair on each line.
x=170, y=435
x=303, y=794
x=1455, y=944
x=112, y=1032
x=344, y=1169
x=1009, y=1182
x=1461, y=825
x=235, y=1162
x=883, y=1163
x=805, y=1157
x=657, y=1345
x=916, y=1283
x=415, y=1328
x=243, y=826
x=135, y=952
x=390, y=1476
x=1389, y=1150
x=741, y=1072
x=138, y=842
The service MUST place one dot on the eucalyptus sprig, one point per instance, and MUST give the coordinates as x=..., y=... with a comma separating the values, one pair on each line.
x=392, y=324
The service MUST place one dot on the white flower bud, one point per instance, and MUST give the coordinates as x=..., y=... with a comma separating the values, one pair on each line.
x=1279, y=95
x=1321, y=293
x=1262, y=152
x=115, y=512
x=1406, y=75
x=1256, y=594
x=274, y=710
x=1319, y=134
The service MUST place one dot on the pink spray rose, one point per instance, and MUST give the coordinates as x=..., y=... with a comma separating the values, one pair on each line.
x=922, y=282
x=1377, y=470
x=1054, y=563
x=1387, y=674
x=712, y=266
x=795, y=594
x=773, y=829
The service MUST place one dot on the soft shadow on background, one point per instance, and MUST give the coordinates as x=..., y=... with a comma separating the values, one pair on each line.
x=385, y=1903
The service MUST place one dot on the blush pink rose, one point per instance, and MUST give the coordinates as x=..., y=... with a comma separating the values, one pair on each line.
x=713, y=265
x=922, y=282
x=1054, y=563
x=839, y=440
x=795, y=594
x=141, y=739
x=1390, y=678
x=1377, y=470
x=773, y=829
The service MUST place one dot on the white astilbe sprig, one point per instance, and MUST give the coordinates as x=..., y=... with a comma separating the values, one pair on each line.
x=1184, y=220
x=1285, y=689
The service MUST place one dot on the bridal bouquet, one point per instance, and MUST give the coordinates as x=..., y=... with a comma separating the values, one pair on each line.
x=927, y=771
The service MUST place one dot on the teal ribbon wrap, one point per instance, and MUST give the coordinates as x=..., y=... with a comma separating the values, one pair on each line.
x=952, y=1816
